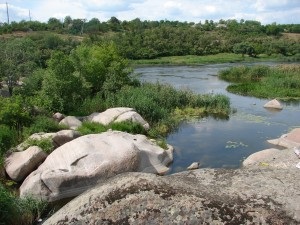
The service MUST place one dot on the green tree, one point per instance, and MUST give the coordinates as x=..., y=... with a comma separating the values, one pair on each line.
x=18, y=58
x=102, y=67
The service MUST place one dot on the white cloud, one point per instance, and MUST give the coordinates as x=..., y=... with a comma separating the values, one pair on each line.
x=280, y=11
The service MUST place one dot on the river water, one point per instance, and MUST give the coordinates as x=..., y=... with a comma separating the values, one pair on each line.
x=216, y=143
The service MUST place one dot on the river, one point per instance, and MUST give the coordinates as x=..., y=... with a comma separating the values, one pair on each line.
x=216, y=143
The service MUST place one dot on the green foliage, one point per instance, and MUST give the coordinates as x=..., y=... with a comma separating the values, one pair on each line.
x=17, y=211
x=125, y=126
x=264, y=82
x=91, y=128
x=13, y=113
x=102, y=67
x=45, y=144
x=129, y=127
x=42, y=124
x=157, y=102
x=8, y=138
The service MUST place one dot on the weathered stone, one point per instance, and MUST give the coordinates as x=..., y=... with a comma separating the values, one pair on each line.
x=58, y=116
x=193, y=166
x=79, y=164
x=118, y=115
x=71, y=121
x=18, y=165
x=37, y=136
x=64, y=136
x=273, y=104
x=205, y=196
x=272, y=158
x=290, y=140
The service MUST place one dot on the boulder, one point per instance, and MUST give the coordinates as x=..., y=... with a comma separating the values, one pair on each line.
x=273, y=104
x=204, y=196
x=193, y=166
x=80, y=164
x=64, y=136
x=58, y=116
x=290, y=140
x=71, y=121
x=19, y=165
x=118, y=115
x=272, y=158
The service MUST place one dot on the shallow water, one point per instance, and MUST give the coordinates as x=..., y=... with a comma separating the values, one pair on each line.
x=220, y=143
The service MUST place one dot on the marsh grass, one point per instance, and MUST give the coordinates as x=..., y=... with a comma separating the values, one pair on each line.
x=282, y=81
x=125, y=126
x=157, y=103
x=198, y=60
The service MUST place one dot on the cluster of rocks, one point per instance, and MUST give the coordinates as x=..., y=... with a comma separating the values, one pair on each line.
x=79, y=162
x=264, y=191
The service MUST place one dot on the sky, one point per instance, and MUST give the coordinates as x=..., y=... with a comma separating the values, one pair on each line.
x=265, y=11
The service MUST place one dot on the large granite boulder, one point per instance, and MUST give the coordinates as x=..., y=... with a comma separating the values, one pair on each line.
x=289, y=140
x=274, y=104
x=118, y=115
x=64, y=136
x=80, y=164
x=205, y=196
x=71, y=122
x=18, y=165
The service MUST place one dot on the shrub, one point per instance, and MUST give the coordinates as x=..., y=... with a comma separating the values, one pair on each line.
x=91, y=128
x=8, y=137
x=127, y=126
x=45, y=144
x=17, y=211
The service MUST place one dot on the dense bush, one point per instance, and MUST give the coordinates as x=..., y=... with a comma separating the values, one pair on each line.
x=8, y=138
x=17, y=211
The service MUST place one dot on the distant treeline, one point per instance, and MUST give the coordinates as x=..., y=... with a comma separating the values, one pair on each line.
x=138, y=39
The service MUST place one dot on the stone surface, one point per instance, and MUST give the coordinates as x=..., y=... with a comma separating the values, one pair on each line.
x=118, y=115
x=193, y=166
x=58, y=116
x=290, y=140
x=71, y=121
x=273, y=104
x=64, y=136
x=272, y=158
x=205, y=196
x=80, y=164
x=18, y=165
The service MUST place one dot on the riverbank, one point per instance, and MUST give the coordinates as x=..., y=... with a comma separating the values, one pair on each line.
x=209, y=59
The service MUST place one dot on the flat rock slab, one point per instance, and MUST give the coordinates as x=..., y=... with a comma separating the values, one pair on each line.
x=272, y=158
x=205, y=196
x=289, y=140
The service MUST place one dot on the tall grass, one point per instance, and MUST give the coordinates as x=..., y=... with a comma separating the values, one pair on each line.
x=157, y=103
x=19, y=211
x=282, y=81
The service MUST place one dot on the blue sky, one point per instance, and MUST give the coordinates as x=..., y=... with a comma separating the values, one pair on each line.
x=265, y=11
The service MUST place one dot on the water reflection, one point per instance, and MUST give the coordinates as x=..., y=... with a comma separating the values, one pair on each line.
x=221, y=142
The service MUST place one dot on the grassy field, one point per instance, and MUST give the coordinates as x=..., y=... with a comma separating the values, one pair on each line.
x=198, y=60
x=282, y=81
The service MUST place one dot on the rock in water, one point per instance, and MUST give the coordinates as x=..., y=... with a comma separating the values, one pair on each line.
x=273, y=104
x=80, y=164
x=205, y=196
